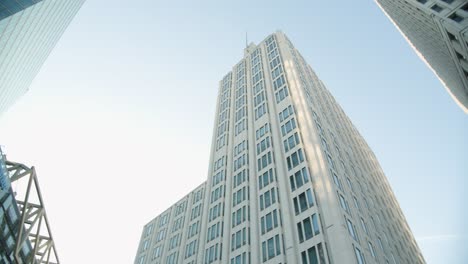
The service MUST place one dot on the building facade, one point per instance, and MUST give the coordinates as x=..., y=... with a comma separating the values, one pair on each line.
x=26, y=237
x=29, y=30
x=290, y=179
x=438, y=31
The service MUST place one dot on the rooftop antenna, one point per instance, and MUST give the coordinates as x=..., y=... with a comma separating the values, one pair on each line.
x=246, y=40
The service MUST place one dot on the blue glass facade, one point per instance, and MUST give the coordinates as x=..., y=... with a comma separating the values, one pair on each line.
x=10, y=7
x=26, y=39
x=4, y=179
x=9, y=220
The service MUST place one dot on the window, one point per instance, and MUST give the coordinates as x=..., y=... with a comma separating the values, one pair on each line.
x=295, y=159
x=465, y=7
x=239, y=162
x=291, y=142
x=215, y=211
x=161, y=235
x=298, y=179
x=218, y=177
x=260, y=111
x=337, y=181
x=303, y=201
x=268, y=198
x=263, y=145
x=240, y=259
x=307, y=228
x=214, y=231
x=343, y=203
x=364, y=226
x=193, y=229
x=288, y=111
x=211, y=254
x=281, y=94
x=259, y=98
x=371, y=249
x=359, y=256
x=262, y=131
x=240, y=177
x=174, y=241
x=309, y=256
x=356, y=203
x=264, y=161
x=191, y=249
x=448, y=1
x=240, y=196
x=437, y=8
x=265, y=179
x=271, y=248
x=239, y=239
x=240, y=216
x=422, y=1
x=351, y=230
x=288, y=127
x=456, y=17
x=157, y=252
x=269, y=221
x=276, y=72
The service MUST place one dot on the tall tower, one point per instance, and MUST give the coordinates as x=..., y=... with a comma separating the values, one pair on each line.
x=290, y=178
x=437, y=30
x=29, y=30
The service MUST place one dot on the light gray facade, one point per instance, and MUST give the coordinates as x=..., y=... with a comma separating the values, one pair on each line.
x=29, y=30
x=290, y=179
x=438, y=31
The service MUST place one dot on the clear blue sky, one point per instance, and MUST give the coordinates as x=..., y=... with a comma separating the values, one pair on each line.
x=131, y=78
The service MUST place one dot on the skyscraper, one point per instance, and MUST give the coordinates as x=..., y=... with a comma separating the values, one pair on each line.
x=437, y=30
x=29, y=29
x=290, y=178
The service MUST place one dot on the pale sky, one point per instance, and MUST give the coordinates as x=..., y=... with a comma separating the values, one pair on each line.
x=118, y=123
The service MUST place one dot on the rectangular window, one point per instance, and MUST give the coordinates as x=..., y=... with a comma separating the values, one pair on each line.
x=303, y=201
x=308, y=228
x=298, y=179
x=295, y=159
x=359, y=256
x=265, y=179
x=269, y=221
x=288, y=126
x=268, y=198
x=351, y=230
x=260, y=111
x=281, y=94
x=262, y=131
x=288, y=111
x=271, y=248
x=291, y=142
x=309, y=256
x=264, y=161
x=263, y=145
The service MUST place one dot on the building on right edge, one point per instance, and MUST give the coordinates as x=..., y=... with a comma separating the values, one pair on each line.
x=438, y=31
x=290, y=179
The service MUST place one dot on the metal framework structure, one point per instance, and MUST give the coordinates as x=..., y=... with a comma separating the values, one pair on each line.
x=34, y=227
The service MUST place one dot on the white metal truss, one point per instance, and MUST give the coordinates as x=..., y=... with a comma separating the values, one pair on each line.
x=34, y=227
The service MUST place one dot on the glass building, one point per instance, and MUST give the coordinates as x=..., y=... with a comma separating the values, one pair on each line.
x=290, y=179
x=29, y=30
x=438, y=31
x=25, y=235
